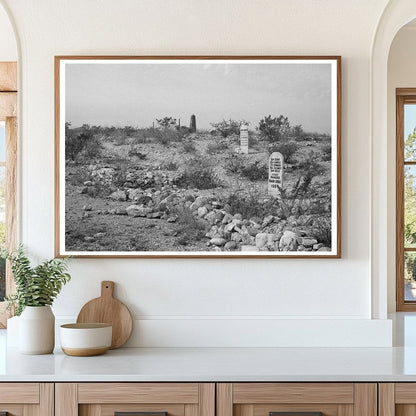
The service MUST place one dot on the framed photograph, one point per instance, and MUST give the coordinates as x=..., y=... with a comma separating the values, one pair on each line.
x=198, y=156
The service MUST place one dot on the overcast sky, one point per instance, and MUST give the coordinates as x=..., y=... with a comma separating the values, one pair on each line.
x=137, y=94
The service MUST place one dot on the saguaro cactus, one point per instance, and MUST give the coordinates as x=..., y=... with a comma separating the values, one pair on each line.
x=192, y=124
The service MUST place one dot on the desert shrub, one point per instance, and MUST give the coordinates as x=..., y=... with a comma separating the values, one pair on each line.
x=234, y=163
x=166, y=122
x=83, y=145
x=216, y=147
x=198, y=174
x=78, y=176
x=135, y=152
x=297, y=131
x=169, y=165
x=190, y=228
x=287, y=149
x=188, y=147
x=119, y=177
x=255, y=172
x=75, y=237
x=166, y=136
x=322, y=230
x=129, y=131
x=121, y=140
x=310, y=166
x=228, y=127
x=249, y=204
x=139, y=140
x=274, y=129
x=326, y=152
x=291, y=197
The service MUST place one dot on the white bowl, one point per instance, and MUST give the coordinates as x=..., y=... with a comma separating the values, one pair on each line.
x=83, y=340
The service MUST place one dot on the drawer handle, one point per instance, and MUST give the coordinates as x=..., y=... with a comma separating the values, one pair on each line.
x=295, y=414
x=139, y=414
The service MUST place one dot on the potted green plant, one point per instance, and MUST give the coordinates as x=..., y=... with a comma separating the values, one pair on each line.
x=36, y=289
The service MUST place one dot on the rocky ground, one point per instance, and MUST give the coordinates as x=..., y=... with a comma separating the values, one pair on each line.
x=142, y=197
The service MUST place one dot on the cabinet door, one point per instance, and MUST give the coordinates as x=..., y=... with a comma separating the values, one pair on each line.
x=397, y=399
x=297, y=399
x=26, y=399
x=141, y=399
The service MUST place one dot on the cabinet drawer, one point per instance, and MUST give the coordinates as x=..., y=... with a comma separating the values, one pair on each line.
x=297, y=399
x=397, y=399
x=146, y=399
x=21, y=399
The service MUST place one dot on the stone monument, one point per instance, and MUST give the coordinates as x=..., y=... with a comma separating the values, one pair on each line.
x=275, y=174
x=192, y=124
x=244, y=138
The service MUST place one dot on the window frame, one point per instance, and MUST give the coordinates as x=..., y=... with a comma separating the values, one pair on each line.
x=8, y=113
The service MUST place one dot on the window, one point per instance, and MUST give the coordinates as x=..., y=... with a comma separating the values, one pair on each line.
x=8, y=170
x=406, y=199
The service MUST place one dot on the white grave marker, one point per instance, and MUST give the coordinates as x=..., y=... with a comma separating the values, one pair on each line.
x=244, y=138
x=275, y=173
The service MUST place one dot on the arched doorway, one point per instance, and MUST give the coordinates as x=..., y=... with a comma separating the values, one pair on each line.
x=395, y=16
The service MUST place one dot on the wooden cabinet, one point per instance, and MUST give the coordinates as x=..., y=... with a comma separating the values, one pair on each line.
x=397, y=399
x=108, y=399
x=27, y=399
x=263, y=399
x=208, y=399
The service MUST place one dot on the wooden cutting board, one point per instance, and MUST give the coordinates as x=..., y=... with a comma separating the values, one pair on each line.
x=107, y=309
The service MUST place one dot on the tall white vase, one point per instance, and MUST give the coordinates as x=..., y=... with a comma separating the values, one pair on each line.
x=37, y=330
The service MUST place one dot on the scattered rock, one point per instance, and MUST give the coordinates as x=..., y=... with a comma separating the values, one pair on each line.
x=136, y=211
x=118, y=196
x=202, y=211
x=307, y=241
x=211, y=217
x=173, y=218
x=134, y=194
x=162, y=206
x=264, y=241
x=199, y=202
x=212, y=232
x=237, y=221
x=288, y=241
x=324, y=249
x=267, y=220
x=218, y=241
x=89, y=239
x=87, y=208
x=316, y=247
x=230, y=227
x=227, y=218
x=230, y=246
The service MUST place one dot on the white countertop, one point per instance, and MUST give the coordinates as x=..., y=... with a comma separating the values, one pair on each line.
x=215, y=364
x=221, y=364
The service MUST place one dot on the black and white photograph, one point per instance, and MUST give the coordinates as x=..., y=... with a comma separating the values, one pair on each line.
x=198, y=156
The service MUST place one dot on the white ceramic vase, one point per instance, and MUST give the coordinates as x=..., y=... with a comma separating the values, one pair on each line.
x=37, y=330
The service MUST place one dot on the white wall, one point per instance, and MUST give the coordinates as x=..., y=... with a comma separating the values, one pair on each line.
x=202, y=299
x=8, y=47
x=401, y=74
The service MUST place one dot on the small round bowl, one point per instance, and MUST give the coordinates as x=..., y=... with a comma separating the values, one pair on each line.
x=84, y=340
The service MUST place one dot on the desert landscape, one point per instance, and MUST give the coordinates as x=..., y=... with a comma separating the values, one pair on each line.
x=172, y=187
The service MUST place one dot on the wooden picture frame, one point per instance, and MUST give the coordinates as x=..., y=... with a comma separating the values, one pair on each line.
x=256, y=174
